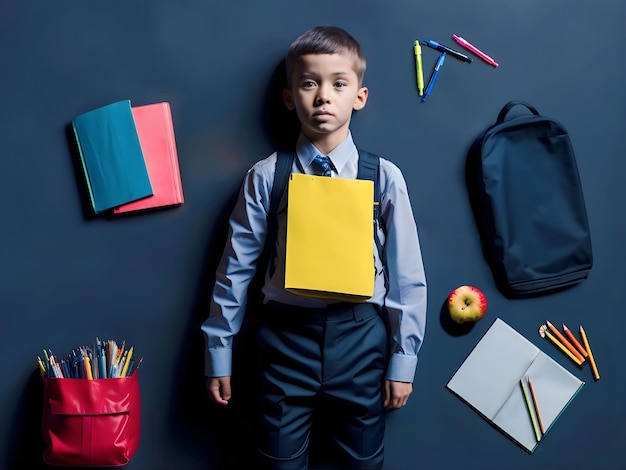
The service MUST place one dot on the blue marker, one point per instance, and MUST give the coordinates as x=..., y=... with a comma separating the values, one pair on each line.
x=433, y=77
x=441, y=48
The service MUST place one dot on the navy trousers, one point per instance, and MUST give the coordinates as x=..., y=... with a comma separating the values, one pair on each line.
x=328, y=362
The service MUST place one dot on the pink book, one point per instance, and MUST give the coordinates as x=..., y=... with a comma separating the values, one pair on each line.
x=156, y=136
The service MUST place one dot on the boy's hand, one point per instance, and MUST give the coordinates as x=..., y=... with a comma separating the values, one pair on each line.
x=218, y=389
x=396, y=394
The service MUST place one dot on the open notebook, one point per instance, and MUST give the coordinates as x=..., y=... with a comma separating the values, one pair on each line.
x=489, y=382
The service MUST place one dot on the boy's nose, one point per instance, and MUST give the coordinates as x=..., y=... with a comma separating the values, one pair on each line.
x=322, y=95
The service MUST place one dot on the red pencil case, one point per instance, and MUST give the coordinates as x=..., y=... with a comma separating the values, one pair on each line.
x=91, y=423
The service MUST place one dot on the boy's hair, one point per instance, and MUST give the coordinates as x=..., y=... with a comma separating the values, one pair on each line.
x=325, y=40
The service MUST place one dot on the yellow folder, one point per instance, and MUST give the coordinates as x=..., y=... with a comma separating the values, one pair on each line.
x=330, y=233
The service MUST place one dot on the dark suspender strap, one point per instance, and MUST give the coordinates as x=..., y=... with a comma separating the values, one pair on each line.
x=284, y=163
x=369, y=169
x=369, y=165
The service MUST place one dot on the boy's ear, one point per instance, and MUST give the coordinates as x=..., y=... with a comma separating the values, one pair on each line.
x=361, y=99
x=288, y=99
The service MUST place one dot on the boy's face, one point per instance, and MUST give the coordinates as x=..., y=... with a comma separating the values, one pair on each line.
x=325, y=89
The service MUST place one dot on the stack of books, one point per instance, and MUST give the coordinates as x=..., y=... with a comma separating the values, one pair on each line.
x=128, y=156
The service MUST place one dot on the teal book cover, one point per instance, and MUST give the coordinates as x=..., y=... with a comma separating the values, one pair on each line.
x=111, y=156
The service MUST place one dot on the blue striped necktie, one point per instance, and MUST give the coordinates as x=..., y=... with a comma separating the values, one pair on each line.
x=322, y=164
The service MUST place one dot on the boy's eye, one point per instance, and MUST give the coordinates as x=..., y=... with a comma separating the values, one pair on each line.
x=340, y=84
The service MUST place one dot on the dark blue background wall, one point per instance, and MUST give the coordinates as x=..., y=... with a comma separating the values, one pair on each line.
x=66, y=277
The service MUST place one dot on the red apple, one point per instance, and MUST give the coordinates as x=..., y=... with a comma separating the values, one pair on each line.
x=467, y=304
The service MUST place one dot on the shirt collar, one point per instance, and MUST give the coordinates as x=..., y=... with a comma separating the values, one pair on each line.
x=340, y=156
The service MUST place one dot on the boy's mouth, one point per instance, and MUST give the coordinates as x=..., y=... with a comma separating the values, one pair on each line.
x=321, y=113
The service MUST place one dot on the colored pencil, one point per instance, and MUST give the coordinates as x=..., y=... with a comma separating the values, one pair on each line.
x=562, y=348
x=565, y=342
x=596, y=374
x=530, y=410
x=536, y=405
x=574, y=341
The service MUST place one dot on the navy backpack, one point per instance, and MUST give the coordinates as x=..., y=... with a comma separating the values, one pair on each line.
x=528, y=203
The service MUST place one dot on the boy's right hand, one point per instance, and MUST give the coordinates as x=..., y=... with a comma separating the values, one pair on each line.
x=218, y=389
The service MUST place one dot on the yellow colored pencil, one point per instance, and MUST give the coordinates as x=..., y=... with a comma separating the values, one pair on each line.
x=127, y=362
x=88, y=368
x=596, y=374
x=42, y=368
x=530, y=410
x=565, y=342
x=563, y=348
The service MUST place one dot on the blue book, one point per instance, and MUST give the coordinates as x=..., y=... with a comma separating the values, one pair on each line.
x=111, y=156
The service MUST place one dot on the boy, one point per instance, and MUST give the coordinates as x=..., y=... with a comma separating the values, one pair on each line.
x=317, y=354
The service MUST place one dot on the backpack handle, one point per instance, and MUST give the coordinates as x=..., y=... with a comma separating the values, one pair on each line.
x=507, y=107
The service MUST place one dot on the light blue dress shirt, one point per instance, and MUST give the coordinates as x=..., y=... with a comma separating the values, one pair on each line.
x=404, y=296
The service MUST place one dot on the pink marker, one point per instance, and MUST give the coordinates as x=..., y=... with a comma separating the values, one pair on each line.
x=476, y=51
